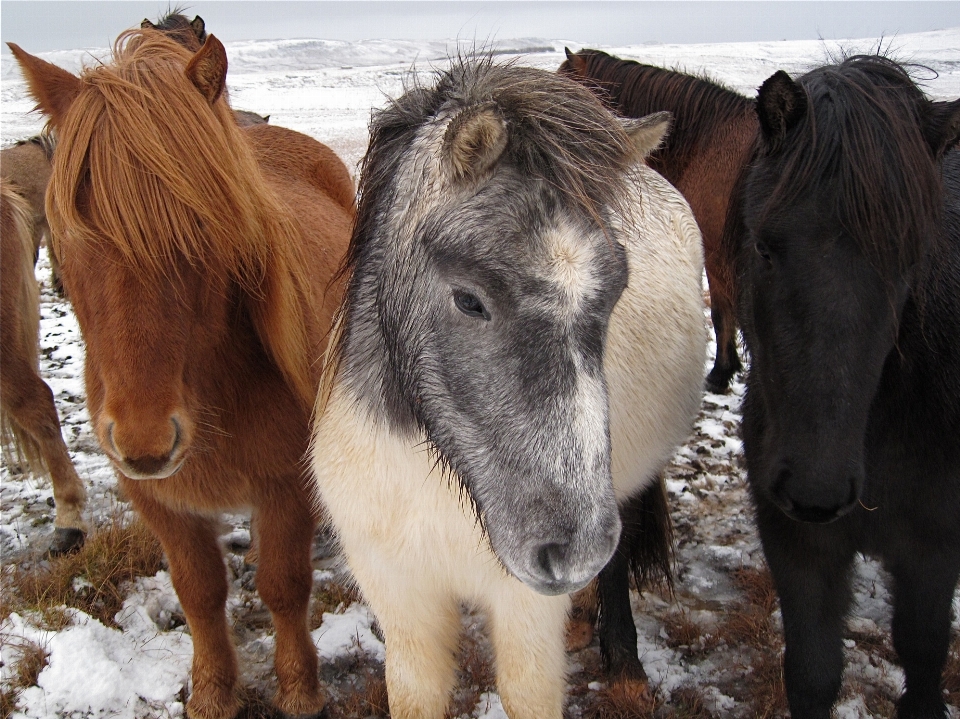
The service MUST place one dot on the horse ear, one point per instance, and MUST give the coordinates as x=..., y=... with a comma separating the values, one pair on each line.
x=145, y=24
x=474, y=141
x=647, y=133
x=52, y=87
x=199, y=28
x=575, y=64
x=207, y=69
x=941, y=126
x=780, y=104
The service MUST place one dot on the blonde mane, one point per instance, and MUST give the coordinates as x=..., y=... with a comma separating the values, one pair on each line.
x=147, y=164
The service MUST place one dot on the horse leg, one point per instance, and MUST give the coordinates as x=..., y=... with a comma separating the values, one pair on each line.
x=923, y=595
x=528, y=634
x=29, y=402
x=200, y=578
x=284, y=534
x=810, y=567
x=421, y=630
x=618, y=633
x=727, y=362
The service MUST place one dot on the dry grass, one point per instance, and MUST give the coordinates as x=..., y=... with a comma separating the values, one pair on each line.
x=626, y=699
x=750, y=625
x=330, y=597
x=685, y=634
x=89, y=580
x=370, y=701
x=688, y=703
x=32, y=660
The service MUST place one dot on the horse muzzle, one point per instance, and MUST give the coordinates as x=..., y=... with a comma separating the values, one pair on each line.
x=565, y=566
x=147, y=462
x=815, y=502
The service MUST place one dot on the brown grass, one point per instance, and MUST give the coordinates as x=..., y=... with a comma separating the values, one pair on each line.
x=684, y=633
x=370, y=701
x=32, y=660
x=115, y=553
x=626, y=699
x=688, y=703
x=328, y=598
x=750, y=625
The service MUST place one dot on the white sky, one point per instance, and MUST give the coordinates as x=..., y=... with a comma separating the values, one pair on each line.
x=40, y=25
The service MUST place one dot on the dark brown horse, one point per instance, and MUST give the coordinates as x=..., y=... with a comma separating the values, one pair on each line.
x=199, y=259
x=705, y=151
x=192, y=34
x=29, y=424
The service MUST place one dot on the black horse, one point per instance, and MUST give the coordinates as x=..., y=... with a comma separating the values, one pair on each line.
x=850, y=308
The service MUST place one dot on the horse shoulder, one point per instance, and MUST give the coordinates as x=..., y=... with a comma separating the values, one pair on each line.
x=656, y=346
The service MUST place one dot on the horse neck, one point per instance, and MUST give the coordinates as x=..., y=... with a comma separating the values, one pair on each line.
x=704, y=112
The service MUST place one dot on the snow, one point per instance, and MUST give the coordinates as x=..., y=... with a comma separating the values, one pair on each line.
x=327, y=89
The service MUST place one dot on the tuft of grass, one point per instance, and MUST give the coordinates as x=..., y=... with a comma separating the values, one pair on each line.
x=328, y=598
x=370, y=701
x=626, y=699
x=89, y=580
x=32, y=660
x=688, y=703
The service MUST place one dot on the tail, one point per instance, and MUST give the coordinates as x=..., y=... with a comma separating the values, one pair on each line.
x=648, y=537
x=19, y=318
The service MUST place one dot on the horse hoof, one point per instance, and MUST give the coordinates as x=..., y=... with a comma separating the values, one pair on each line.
x=66, y=540
x=717, y=385
x=579, y=634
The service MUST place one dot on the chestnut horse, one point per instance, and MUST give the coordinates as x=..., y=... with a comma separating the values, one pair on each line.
x=199, y=257
x=703, y=156
x=27, y=165
x=29, y=423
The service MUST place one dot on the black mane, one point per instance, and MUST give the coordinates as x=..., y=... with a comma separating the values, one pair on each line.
x=863, y=132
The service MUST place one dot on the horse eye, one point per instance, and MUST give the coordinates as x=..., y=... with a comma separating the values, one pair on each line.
x=470, y=305
x=763, y=251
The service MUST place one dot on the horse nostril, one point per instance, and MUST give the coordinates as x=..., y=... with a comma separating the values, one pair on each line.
x=550, y=560
x=176, y=435
x=110, y=440
x=779, y=490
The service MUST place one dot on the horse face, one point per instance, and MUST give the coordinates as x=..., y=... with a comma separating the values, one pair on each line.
x=821, y=316
x=498, y=347
x=138, y=334
x=822, y=322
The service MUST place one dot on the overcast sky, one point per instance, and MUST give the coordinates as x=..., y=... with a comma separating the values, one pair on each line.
x=39, y=25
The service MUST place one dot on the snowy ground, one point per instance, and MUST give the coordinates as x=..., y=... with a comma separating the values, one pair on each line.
x=326, y=89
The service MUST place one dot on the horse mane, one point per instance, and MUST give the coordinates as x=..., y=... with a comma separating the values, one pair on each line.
x=558, y=132
x=46, y=141
x=700, y=105
x=178, y=178
x=864, y=130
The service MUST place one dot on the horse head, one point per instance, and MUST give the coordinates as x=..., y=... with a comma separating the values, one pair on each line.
x=486, y=263
x=150, y=206
x=841, y=206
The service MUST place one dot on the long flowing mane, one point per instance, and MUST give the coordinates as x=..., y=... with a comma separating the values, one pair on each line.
x=863, y=133
x=700, y=106
x=177, y=178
